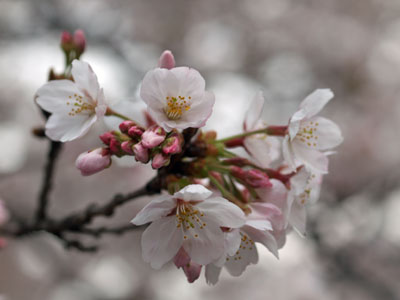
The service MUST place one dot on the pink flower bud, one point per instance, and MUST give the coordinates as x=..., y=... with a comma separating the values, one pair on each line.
x=257, y=179
x=115, y=146
x=126, y=125
x=153, y=136
x=106, y=137
x=160, y=160
x=127, y=147
x=166, y=60
x=66, y=41
x=79, y=41
x=238, y=172
x=93, y=161
x=141, y=153
x=135, y=131
x=66, y=38
x=173, y=144
x=254, y=178
x=181, y=258
x=192, y=271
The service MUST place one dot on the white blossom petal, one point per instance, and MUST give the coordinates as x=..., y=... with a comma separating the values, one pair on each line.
x=288, y=154
x=85, y=79
x=154, y=210
x=212, y=274
x=204, y=245
x=263, y=149
x=327, y=134
x=191, y=83
x=298, y=217
x=67, y=128
x=161, y=241
x=254, y=112
x=225, y=213
x=263, y=237
x=315, y=102
x=244, y=256
x=313, y=159
x=54, y=95
x=195, y=192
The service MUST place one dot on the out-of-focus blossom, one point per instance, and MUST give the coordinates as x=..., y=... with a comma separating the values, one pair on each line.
x=92, y=162
x=263, y=149
x=305, y=189
x=177, y=98
x=191, y=219
x=309, y=135
x=75, y=105
x=167, y=60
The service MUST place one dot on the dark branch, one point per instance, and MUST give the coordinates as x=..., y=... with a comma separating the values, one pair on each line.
x=47, y=183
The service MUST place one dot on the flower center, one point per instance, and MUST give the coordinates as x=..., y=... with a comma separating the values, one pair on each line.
x=307, y=134
x=176, y=106
x=79, y=105
x=188, y=218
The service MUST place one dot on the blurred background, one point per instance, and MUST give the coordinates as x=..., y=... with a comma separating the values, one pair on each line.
x=287, y=48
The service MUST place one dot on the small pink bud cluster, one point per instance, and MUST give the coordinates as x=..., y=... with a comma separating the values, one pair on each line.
x=253, y=177
x=151, y=144
x=155, y=144
x=75, y=42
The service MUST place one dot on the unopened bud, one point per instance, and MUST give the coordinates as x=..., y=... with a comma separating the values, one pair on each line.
x=254, y=178
x=135, y=131
x=166, y=60
x=257, y=179
x=66, y=41
x=141, y=153
x=153, y=136
x=127, y=147
x=115, y=146
x=126, y=125
x=160, y=160
x=79, y=41
x=106, y=137
x=173, y=144
x=93, y=161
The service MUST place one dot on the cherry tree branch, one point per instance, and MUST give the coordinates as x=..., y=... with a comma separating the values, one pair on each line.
x=47, y=184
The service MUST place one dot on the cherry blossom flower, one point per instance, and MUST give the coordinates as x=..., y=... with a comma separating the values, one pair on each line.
x=191, y=219
x=305, y=190
x=176, y=98
x=309, y=135
x=240, y=248
x=263, y=149
x=75, y=105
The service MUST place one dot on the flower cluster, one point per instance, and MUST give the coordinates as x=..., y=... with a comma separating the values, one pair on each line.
x=216, y=207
